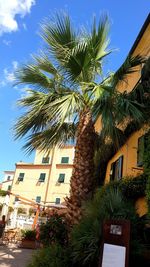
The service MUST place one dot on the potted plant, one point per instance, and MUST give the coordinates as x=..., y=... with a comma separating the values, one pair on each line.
x=28, y=239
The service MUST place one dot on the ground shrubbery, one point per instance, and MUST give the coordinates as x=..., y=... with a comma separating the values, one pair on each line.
x=84, y=244
x=54, y=231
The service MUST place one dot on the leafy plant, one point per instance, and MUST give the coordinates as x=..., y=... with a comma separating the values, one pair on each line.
x=54, y=256
x=54, y=231
x=3, y=193
x=87, y=236
x=10, y=209
x=21, y=211
x=28, y=235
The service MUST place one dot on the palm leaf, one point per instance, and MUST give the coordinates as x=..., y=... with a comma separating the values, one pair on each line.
x=51, y=136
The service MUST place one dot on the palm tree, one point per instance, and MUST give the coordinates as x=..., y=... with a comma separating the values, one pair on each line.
x=68, y=93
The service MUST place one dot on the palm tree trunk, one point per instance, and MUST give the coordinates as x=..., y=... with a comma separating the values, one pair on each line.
x=81, y=185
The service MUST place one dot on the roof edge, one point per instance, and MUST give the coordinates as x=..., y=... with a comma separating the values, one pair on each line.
x=147, y=21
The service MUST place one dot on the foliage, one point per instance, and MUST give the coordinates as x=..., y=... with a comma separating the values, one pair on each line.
x=10, y=209
x=54, y=230
x=54, y=256
x=21, y=211
x=147, y=168
x=131, y=187
x=28, y=234
x=86, y=237
x=3, y=193
x=31, y=211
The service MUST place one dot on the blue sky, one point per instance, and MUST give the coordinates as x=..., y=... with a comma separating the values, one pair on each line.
x=19, y=28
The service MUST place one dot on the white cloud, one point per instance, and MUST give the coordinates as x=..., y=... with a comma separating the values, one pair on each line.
x=8, y=11
x=8, y=74
x=6, y=42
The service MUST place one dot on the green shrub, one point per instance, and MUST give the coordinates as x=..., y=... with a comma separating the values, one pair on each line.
x=28, y=234
x=54, y=231
x=87, y=236
x=3, y=193
x=131, y=187
x=54, y=256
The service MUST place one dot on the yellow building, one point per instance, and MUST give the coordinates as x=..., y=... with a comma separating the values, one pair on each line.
x=47, y=180
x=128, y=161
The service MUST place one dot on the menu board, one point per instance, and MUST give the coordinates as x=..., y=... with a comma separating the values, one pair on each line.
x=113, y=255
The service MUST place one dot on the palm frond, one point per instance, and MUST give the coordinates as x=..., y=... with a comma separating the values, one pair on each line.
x=30, y=74
x=129, y=66
x=59, y=36
x=51, y=136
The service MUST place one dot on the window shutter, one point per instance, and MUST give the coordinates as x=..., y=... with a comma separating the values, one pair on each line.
x=57, y=201
x=120, y=168
x=65, y=160
x=21, y=176
x=42, y=177
x=45, y=160
x=38, y=199
x=61, y=178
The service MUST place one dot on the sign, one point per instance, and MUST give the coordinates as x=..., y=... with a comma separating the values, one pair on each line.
x=113, y=256
x=115, y=247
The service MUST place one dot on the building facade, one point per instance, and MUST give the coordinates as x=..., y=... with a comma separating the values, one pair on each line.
x=128, y=161
x=46, y=181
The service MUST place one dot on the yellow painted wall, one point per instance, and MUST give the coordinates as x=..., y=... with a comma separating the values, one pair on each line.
x=50, y=189
x=129, y=150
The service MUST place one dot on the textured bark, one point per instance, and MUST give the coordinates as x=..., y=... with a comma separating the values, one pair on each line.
x=81, y=184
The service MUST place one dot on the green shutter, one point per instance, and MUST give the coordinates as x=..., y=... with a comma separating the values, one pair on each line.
x=140, y=151
x=42, y=177
x=61, y=178
x=45, y=160
x=57, y=201
x=21, y=176
x=65, y=160
x=38, y=199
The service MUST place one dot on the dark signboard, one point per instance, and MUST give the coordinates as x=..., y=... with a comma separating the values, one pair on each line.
x=115, y=249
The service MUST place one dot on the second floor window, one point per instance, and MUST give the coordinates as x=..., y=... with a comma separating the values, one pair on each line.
x=9, y=187
x=45, y=160
x=64, y=160
x=116, y=169
x=21, y=177
x=42, y=177
x=61, y=178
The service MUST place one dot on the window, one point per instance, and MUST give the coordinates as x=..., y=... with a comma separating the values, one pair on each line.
x=16, y=198
x=8, y=178
x=38, y=199
x=116, y=169
x=57, y=201
x=140, y=151
x=61, y=178
x=9, y=187
x=64, y=160
x=45, y=160
x=42, y=177
x=21, y=177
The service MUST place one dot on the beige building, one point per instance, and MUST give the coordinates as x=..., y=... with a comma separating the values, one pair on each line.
x=7, y=180
x=47, y=180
